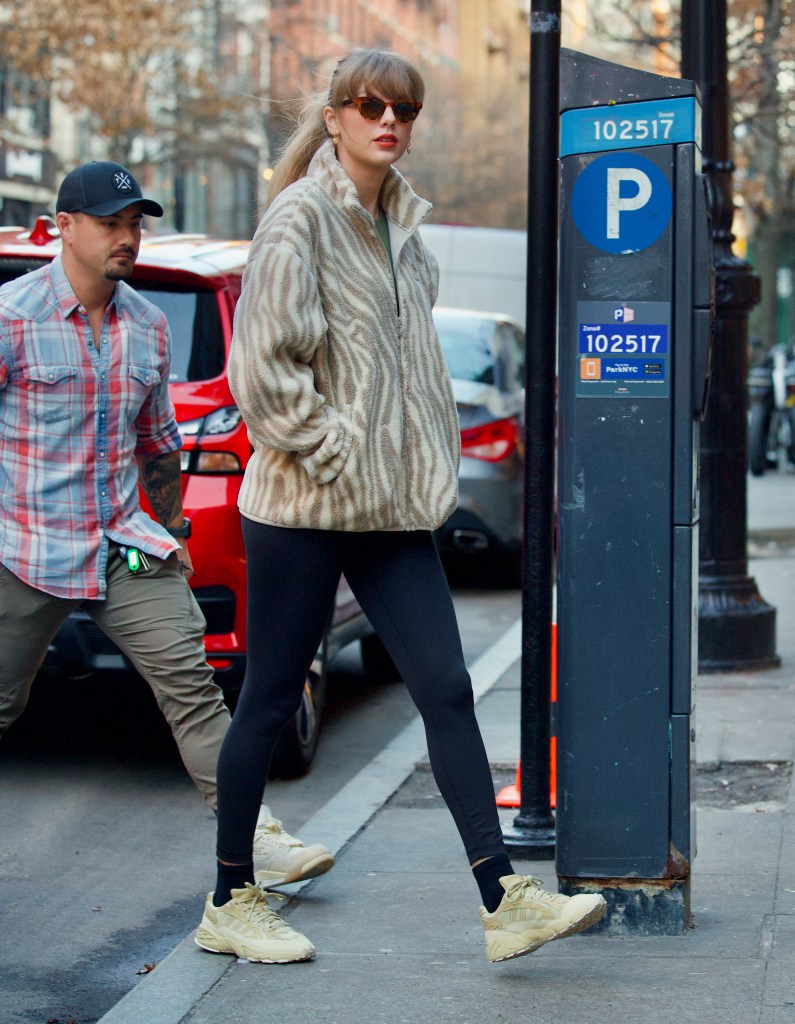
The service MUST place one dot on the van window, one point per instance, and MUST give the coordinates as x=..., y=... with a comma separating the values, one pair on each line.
x=198, y=351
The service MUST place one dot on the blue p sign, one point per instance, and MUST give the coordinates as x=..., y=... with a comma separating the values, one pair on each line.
x=621, y=203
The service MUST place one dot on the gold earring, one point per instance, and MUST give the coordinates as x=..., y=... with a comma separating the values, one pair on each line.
x=408, y=149
x=335, y=139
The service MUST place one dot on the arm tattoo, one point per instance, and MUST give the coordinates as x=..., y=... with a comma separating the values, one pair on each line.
x=161, y=480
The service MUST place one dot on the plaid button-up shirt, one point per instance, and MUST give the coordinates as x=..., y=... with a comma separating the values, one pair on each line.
x=73, y=416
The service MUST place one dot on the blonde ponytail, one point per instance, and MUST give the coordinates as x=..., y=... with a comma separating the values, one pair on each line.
x=309, y=135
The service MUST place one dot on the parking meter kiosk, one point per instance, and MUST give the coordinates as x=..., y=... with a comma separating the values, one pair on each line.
x=634, y=330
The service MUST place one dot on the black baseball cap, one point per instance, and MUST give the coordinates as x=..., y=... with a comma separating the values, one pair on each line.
x=101, y=188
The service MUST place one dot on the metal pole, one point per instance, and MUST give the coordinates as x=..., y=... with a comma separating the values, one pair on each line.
x=737, y=628
x=533, y=831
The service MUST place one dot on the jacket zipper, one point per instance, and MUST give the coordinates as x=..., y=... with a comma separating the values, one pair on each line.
x=394, y=275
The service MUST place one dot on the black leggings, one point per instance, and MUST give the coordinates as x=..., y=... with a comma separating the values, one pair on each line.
x=399, y=582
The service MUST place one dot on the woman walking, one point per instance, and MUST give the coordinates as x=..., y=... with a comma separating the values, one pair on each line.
x=340, y=378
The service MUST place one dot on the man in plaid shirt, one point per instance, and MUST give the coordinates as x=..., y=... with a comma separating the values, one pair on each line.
x=85, y=412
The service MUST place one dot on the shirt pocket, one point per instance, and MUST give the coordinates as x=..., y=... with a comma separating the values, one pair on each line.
x=50, y=389
x=142, y=378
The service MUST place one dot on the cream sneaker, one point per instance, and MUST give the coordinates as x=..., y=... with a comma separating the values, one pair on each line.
x=280, y=858
x=529, y=916
x=249, y=927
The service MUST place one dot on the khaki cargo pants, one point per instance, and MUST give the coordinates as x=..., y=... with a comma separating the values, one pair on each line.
x=154, y=619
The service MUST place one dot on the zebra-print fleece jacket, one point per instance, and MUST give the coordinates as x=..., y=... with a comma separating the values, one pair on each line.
x=344, y=388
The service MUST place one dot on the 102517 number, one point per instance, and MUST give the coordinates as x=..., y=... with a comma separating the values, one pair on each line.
x=634, y=129
x=639, y=340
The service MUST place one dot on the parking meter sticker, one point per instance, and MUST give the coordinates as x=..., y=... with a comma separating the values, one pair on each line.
x=622, y=349
x=617, y=355
x=621, y=203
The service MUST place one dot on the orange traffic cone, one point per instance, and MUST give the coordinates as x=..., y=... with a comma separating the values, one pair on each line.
x=511, y=796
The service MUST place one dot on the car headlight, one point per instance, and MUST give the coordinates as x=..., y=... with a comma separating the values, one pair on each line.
x=222, y=421
x=219, y=421
x=198, y=460
x=190, y=428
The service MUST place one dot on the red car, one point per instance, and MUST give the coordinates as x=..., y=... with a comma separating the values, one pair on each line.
x=196, y=280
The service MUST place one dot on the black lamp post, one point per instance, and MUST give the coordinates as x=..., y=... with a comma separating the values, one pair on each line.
x=737, y=628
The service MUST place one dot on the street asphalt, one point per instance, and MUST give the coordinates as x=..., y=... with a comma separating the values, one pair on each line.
x=396, y=924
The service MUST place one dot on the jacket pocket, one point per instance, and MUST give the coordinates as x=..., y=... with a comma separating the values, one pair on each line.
x=325, y=464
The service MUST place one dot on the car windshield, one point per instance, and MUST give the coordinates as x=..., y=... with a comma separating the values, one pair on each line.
x=196, y=330
x=466, y=343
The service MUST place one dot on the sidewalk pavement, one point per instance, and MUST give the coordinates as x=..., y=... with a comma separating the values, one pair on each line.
x=396, y=924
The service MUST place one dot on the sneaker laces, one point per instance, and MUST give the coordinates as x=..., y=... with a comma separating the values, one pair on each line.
x=275, y=833
x=525, y=885
x=260, y=911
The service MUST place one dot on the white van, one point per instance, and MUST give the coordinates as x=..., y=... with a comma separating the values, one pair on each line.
x=480, y=268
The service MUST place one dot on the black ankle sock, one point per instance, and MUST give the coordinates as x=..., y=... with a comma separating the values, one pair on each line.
x=488, y=875
x=231, y=876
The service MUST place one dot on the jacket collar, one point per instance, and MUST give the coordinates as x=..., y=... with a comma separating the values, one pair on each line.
x=400, y=202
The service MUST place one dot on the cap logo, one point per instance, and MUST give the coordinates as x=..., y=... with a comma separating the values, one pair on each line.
x=122, y=181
